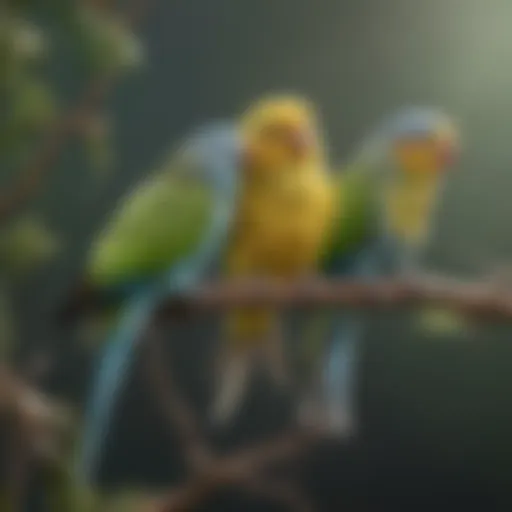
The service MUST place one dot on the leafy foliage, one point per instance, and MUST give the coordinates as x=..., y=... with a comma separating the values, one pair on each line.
x=441, y=322
x=109, y=46
x=93, y=41
x=64, y=493
x=26, y=244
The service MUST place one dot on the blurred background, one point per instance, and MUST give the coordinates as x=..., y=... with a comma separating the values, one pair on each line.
x=437, y=410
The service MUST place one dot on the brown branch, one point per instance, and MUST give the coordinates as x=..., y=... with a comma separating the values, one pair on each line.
x=211, y=473
x=245, y=467
x=70, y=124
x=475, y=298
x=34, y=425
x=175, y=410
x=242, y=468
x=280, y=492
x=237, y=469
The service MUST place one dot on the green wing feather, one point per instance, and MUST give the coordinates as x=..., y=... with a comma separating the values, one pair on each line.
x=159, y=224
x=356, y=190
x=356, y=193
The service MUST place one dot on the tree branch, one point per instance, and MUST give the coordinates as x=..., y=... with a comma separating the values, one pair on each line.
x=245, y=468
x=174, y=409
x=211, y=473
x=475, y=298
x=34, y=427
x=478, y=298
x=285, y=493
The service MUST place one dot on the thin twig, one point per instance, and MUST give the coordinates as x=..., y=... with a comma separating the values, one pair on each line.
x=71, y=123
x=210, y=473
x=284, y=493
x=270, y=453
x=175, y=410
x=242, y=468
x=18, y=465
x=41, y=164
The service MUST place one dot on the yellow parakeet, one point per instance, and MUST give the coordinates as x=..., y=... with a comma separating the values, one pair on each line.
x=283, y=212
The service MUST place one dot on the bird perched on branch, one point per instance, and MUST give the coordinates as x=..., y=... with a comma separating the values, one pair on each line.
x=284, y=210
x=160, y=241
x=389, y=192
x=250, y=193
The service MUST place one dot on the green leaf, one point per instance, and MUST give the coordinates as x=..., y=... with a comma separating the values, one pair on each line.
x=33, y=106
x=26, y=244
x=21, y=39
x=441, y=322
x=28, y=41
x=109, y=45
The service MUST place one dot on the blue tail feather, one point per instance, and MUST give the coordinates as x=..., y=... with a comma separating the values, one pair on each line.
x=340, y=368
x=114, y=366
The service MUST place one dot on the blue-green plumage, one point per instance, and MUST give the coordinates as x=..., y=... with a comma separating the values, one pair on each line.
x=381, y=256
x=367, y=241
x=208, y=162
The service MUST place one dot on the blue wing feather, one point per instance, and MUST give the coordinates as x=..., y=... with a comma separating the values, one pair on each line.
x=343, y=352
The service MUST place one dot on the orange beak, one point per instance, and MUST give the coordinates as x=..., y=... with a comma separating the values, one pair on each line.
x=300, y=141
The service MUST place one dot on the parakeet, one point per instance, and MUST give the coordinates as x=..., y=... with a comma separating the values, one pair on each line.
x=388, y=195
x=284, y=211
x=159, y=241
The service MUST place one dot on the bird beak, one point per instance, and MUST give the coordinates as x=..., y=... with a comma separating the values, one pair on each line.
x=301, y=142
x=448, y=154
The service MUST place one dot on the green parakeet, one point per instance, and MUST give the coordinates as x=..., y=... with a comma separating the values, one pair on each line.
x=386, y=198
x=159, y=242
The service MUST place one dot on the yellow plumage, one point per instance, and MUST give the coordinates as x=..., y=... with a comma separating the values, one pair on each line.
x=409, y=202
x=284, y=210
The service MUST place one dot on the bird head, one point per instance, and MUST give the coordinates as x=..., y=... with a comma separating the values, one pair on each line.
x=280, y=133
x=424, y=142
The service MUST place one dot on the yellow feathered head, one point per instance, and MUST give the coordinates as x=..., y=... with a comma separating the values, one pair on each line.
x=281, y=132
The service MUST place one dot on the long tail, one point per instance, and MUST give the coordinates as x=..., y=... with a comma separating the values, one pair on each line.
x=340, y=374
x=232, y=379
x=254, y=339
x=113, y=368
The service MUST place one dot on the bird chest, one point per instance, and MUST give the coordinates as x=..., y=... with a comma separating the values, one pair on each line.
x=281, y=229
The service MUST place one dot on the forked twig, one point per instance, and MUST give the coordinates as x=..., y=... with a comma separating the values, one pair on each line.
x=210, y=473
x=175, y=410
